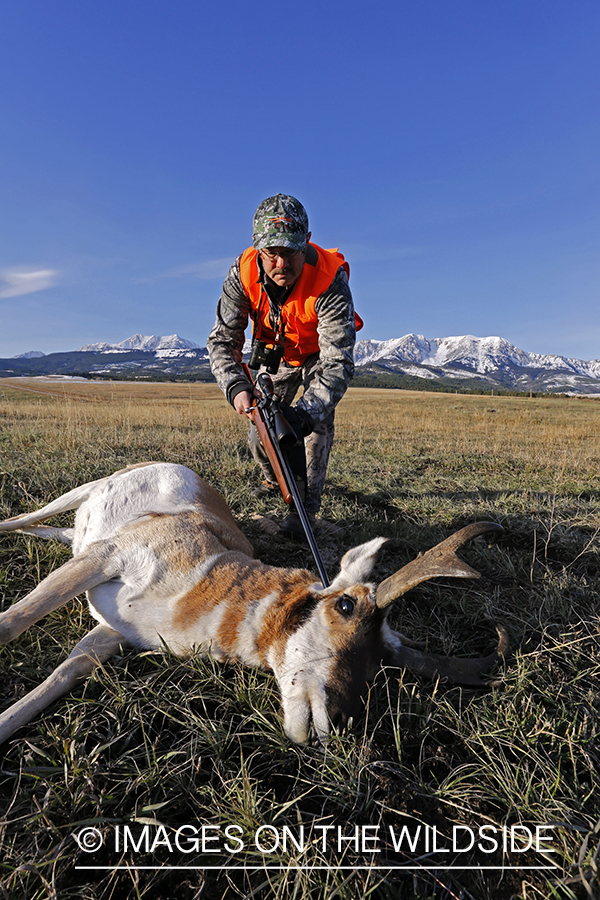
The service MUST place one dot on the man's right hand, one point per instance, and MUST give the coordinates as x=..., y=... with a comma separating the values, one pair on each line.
x=242, y=402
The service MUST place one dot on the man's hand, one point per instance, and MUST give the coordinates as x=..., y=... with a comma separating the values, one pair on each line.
x=242, y=402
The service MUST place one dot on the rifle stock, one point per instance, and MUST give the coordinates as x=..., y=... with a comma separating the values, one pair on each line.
x=265, y=439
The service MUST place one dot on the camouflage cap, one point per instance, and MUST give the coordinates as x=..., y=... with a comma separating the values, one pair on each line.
x=280, y=221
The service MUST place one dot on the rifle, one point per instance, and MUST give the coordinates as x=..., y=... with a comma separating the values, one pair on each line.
x=277, y=436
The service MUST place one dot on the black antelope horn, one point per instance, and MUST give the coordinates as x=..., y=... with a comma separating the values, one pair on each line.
x=441, y=560
x=455, y=669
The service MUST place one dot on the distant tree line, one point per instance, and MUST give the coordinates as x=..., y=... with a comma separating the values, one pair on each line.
x=441, y=385
x=391, y=380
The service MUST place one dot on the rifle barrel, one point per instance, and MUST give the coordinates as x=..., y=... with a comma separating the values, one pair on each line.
x=281, y=436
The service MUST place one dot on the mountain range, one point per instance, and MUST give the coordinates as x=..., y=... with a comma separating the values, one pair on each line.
x=463, y=362
x=489, y=362
x=144, y=342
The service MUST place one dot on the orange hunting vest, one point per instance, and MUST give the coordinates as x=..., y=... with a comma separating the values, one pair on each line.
x=298, y=314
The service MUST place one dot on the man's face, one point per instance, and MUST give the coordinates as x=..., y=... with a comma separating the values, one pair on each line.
x=283, y=265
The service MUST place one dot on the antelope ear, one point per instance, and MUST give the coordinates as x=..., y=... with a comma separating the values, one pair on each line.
x=357, y=564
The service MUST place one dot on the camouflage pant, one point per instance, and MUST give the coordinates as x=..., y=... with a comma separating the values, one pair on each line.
x=317, y=445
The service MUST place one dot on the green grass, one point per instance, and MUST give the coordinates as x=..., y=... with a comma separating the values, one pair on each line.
x=157, y=743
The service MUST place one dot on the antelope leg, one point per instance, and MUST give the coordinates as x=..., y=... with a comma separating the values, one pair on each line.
x=66, y=502
x=96, y=647
x=64, y=535
x=73, y=578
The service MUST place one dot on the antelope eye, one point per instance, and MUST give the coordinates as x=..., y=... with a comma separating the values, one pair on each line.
x=345, y=605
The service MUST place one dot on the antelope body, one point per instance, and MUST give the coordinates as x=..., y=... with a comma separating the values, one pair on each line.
x=163, y=563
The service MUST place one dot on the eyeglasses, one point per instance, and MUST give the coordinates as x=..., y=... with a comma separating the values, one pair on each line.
x=281, y=253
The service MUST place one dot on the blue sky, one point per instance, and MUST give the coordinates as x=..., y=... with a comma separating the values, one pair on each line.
x=450, y=148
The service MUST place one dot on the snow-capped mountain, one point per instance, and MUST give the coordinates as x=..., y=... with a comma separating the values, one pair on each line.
x=493, y=361
x=144, y=342
x=31, y=354
x=138, y=357
x=453, y=362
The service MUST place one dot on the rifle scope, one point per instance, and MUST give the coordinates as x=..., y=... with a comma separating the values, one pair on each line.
x=286, y=436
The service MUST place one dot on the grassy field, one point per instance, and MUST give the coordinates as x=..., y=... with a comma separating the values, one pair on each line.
x=152, y=749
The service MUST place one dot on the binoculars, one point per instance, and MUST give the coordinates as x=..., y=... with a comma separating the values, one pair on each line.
x=269, y=357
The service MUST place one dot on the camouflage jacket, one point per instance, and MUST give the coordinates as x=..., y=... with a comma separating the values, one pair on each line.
x=337, y=336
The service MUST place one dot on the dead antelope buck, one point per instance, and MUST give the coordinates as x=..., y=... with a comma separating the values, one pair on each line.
x=163, y=562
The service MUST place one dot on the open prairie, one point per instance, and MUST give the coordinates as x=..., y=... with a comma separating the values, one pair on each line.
x=182, y=767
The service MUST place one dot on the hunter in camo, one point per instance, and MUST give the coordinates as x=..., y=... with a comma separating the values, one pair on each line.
x=281, y=222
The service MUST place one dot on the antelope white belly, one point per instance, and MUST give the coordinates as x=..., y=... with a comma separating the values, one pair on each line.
x=142, y=604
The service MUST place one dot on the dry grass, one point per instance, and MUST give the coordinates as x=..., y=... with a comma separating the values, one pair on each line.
x=170, y=743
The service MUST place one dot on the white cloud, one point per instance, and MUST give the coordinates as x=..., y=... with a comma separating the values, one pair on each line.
x=15, y=282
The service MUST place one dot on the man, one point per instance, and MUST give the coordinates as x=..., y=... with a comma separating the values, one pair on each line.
x=298, y=299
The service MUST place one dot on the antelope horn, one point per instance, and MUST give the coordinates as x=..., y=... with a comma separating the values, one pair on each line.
x=455, y=669
x=441, y=560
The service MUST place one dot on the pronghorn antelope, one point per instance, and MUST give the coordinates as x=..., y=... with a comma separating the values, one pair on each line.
x=164, y=563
